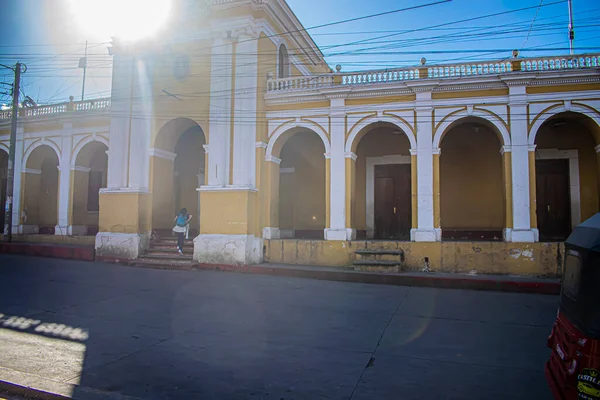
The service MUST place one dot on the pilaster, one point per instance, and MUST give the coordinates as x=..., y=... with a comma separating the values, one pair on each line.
x=64, y=182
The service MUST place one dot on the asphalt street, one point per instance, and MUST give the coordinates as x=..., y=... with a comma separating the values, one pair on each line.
x=158, y=334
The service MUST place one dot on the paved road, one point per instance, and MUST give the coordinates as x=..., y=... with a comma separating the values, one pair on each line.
x=207, y=335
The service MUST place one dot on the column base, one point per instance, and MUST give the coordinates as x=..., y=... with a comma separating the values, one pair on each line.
x=426, y=235
x=78, y=230
x=271, y=233
x=228, y=249
x=339, y=234
x=27, y=230
x=120, y=246
x=521, y=235
x=60, y=230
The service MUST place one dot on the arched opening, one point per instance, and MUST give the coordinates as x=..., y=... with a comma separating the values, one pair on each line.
x=178, y=164
x=302, y=187
x=382, y=191
x=40, y=196
x=3, y=181
x=283, y=62
x=566, y=174
x=89, y=176
x=473, y=201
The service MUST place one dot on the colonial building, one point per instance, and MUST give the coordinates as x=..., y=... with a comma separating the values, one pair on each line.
x=236, y=116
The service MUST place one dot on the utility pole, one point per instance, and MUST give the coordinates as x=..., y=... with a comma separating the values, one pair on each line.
x=571, y=28
x=83, y=64
x=11, y=153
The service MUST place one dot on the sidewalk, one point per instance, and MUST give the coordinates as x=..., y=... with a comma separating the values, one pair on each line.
x=50, y=250
x=502, y=283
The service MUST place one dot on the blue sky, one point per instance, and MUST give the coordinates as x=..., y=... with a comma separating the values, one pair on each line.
x=44, y=35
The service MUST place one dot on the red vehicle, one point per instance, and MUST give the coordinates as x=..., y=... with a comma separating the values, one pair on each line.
x=573, y=370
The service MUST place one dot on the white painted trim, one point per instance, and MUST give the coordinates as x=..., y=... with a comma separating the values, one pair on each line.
x=436, y=151
x=165, y=155
x=495, y=121
x=370, y=176
x=287, y=233
x=505, y=149
x=327, y=156
x=294, y=125
x=37, y=144
x=351, y=155
x=273, y=159
x=260, y=145
x=32, y=171
x=4, y=146
x=380, y=118
x=94, y=138
x=205, y=147
x=227, y=188
x=80, y=168
x=597, y=148
x=543, y=117
x=575, y=192
x=289, y=170
x=271, y=233
x=124, y=190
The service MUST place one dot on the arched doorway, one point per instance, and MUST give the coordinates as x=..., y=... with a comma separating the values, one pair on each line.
x=3, y=181
x=89, y=176
x=382, y=195
x=40, y=199
x=473, y=201
x=178, y=165
x=566, y=174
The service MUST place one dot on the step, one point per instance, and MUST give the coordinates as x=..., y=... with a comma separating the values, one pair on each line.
x=172, y=240
x=166, y=250
x=160, y=264
x=166, y=257
x=378, y=263
x=380, y=252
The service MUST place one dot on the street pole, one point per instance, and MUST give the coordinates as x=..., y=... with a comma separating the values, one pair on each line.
x=571, y=28
x=84, y=59
x=11, y=155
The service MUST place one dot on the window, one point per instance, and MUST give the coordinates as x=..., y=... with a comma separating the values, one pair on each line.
x=284, y=62
x=94, y=185
x=572, y=275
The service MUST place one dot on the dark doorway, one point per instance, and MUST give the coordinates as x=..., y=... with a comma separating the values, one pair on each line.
x=553, y=199
x=392, y=202
x=2, y=204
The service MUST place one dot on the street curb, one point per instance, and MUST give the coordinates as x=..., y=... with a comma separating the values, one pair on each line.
x=68, y=252
x=433, y=281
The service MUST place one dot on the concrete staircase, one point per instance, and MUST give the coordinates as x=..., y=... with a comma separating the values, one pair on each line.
x=163, y=253
x=378, y=260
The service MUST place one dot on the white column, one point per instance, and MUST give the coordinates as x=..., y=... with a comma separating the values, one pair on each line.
x=521, y=230
x=64, y=181
x=425, y=231
x=18, y=172
x=220, y=112
x=337, y=190
x=120, y=119
x=245, y=104
x=140, y=128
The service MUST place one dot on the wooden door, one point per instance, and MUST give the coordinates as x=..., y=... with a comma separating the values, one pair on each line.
x=392, y=202
x=553, y=199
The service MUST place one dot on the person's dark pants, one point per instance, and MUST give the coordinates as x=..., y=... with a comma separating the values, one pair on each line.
x=180, y=237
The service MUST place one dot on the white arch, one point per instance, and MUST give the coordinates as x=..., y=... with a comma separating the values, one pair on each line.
x=299, y=124
x=84, y=142
x=497, y=122
x=4, y=147
x=35, y=145
x=543, y=117
x=375, y=119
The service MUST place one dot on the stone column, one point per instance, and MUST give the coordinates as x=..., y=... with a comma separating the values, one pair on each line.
x=533, y=193
x=437, y=206
x=507, y=182
x=426, y=231
x=350, y=193
x=521, y=225
x=271, y=211
x=64, y=183
x=336, y=229
x=414, y=190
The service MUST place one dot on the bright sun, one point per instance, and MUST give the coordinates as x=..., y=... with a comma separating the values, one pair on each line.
x=127, y=19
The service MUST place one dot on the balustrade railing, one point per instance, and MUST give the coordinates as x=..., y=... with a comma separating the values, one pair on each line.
x=434, y=72
x=86, y=105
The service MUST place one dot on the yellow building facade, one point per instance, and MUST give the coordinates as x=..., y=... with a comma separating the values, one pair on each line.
x=479, y=166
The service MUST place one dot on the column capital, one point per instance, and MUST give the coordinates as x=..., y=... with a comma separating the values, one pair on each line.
x=205, y=147
x=351, y=155
x=414, y=152
x=273, y=159
x=32, y=171
x=260, y=145
x=505, y=149
x=167, y=155
x=531, y=147
x=327, y=156
x=436, y=151
x=80, y=168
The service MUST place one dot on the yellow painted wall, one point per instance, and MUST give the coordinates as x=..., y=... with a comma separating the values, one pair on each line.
x=571, y=135
x=302, y=193
x=228, y=213
x=539, y=259
x=267, y=63
x=378, y=142
x=125, y=212
x=471, y=186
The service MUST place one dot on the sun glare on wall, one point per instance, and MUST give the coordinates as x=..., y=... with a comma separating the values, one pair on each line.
x=128, y=20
